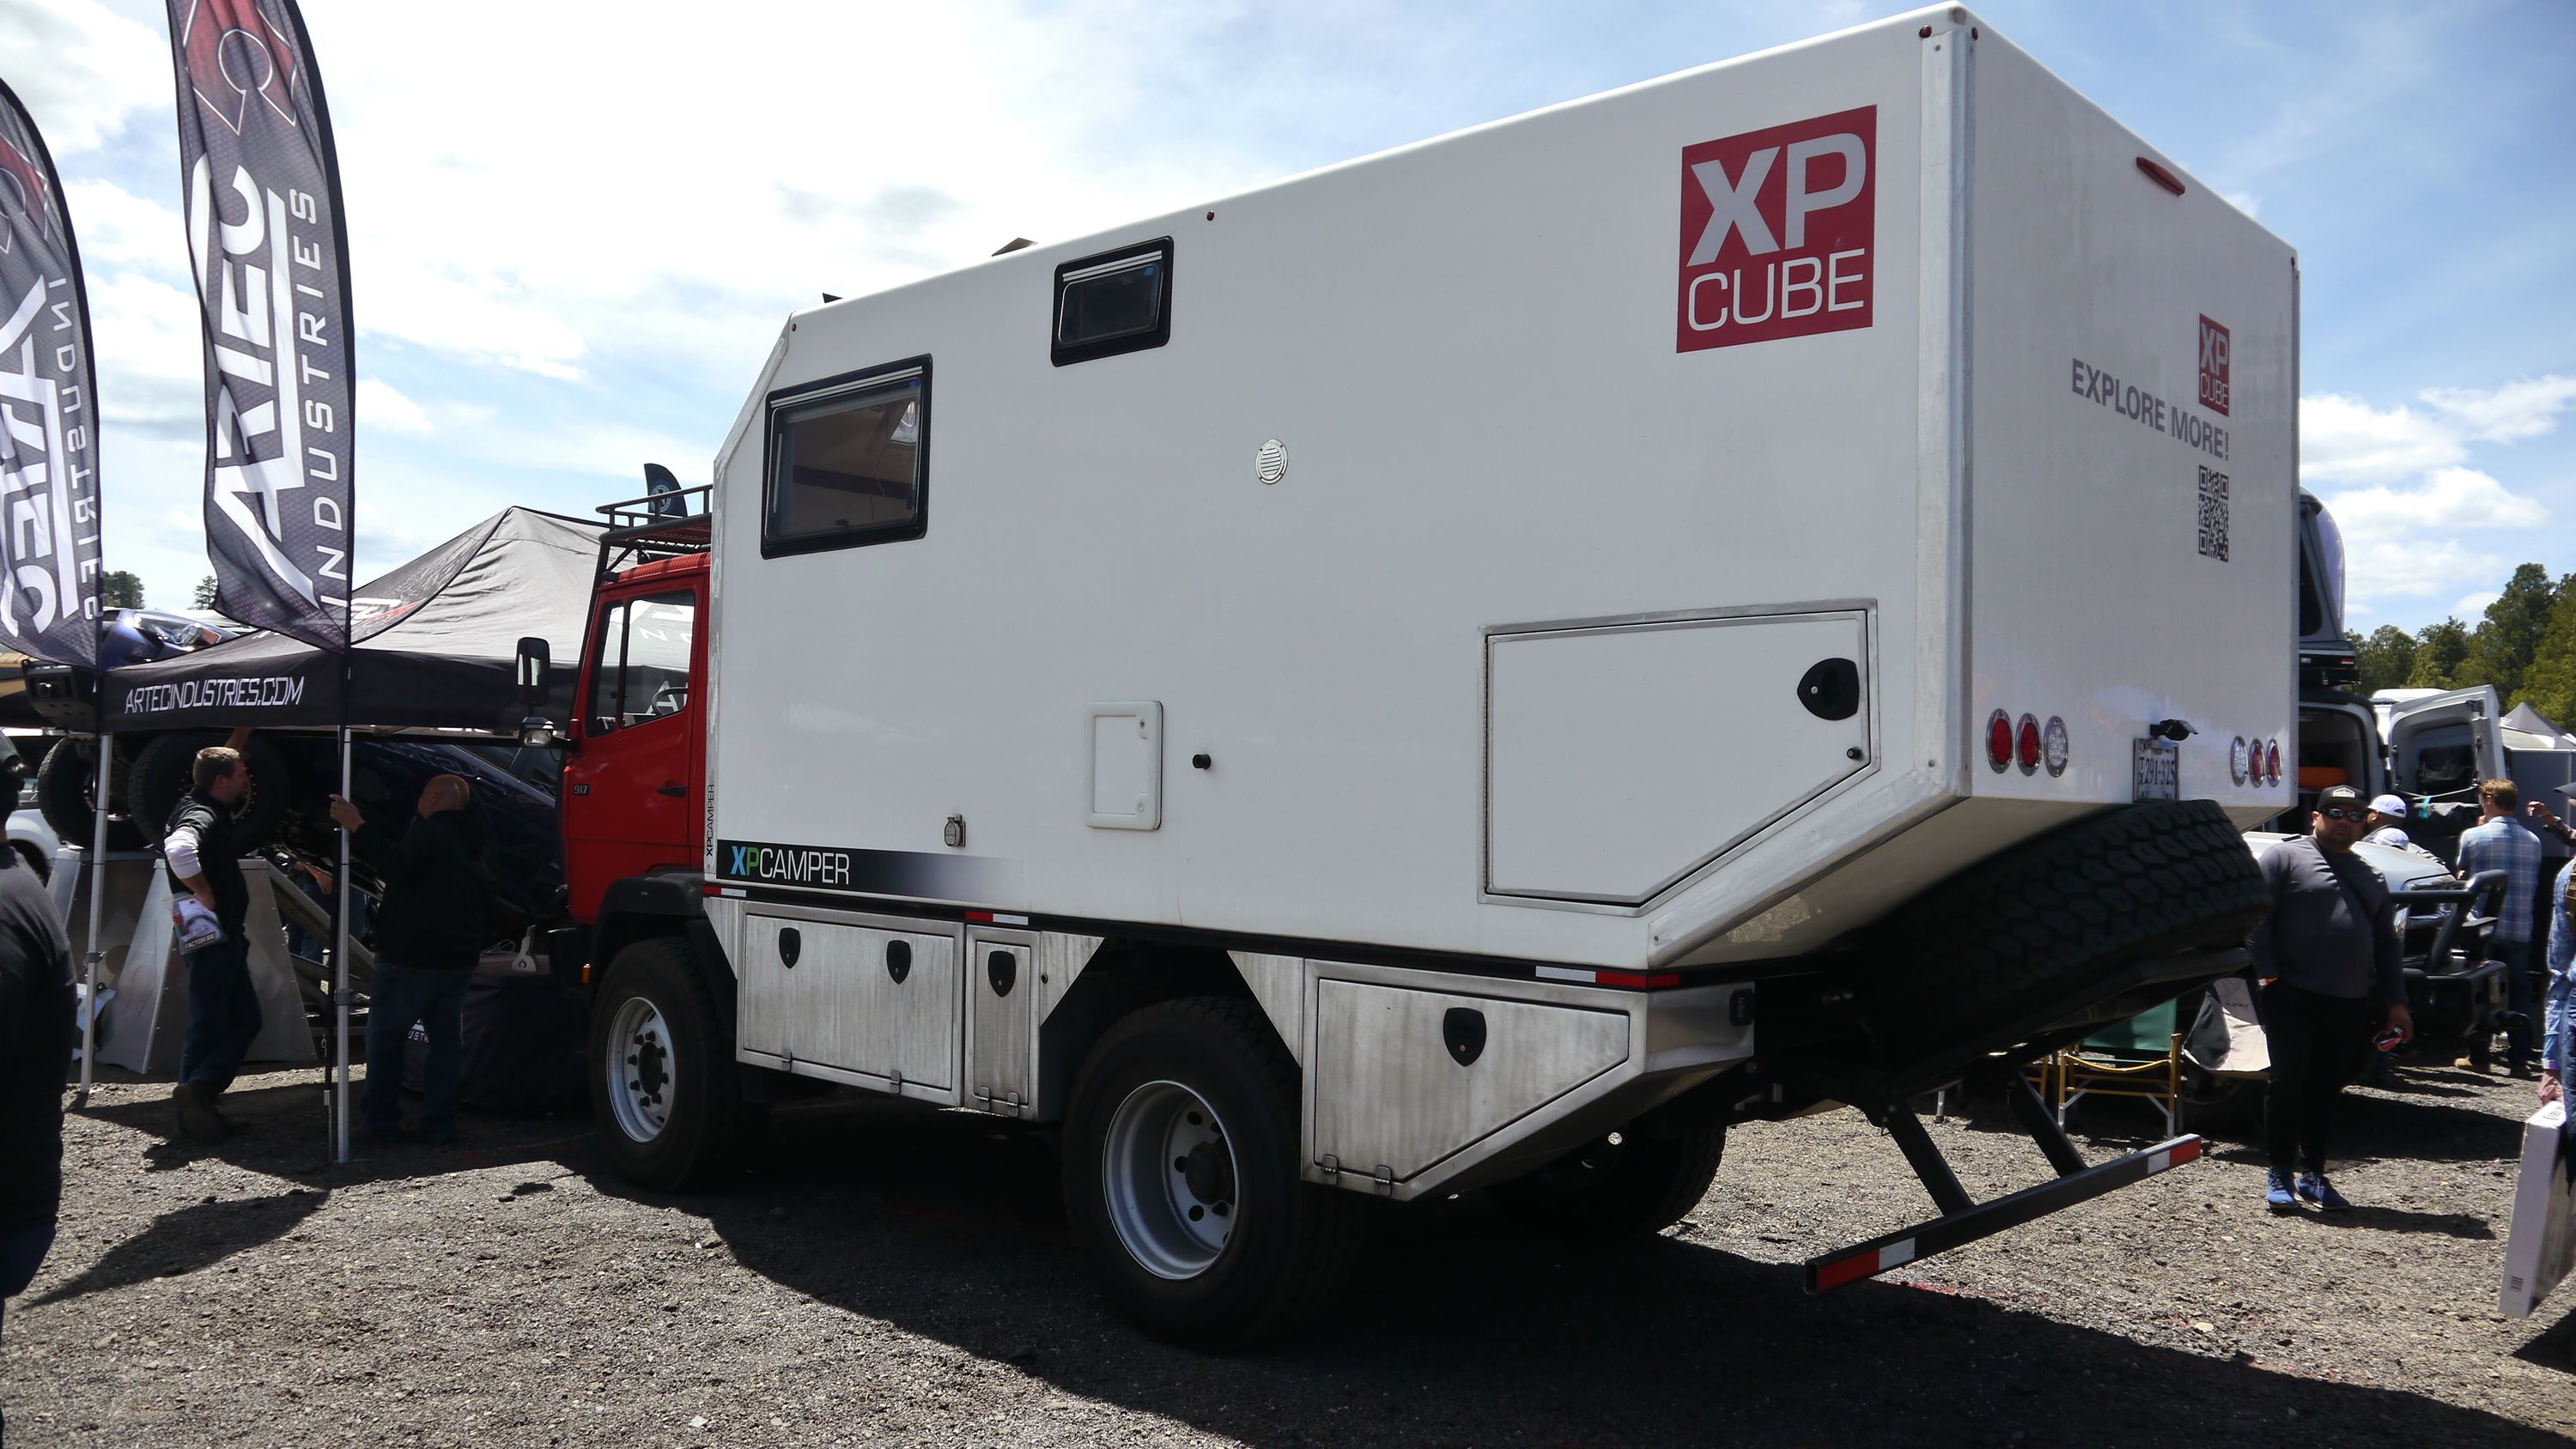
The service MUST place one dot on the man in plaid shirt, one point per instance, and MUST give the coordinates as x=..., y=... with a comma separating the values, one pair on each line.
x=2499, y=842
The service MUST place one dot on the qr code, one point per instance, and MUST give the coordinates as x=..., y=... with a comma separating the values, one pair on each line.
x=2213, y=515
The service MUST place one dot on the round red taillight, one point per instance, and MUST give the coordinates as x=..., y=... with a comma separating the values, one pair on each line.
x=2272, y=762
x=2028, y=755
x=1999, y=741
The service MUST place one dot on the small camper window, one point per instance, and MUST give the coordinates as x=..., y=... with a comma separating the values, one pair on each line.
x=846, y=461
x=1114, y=302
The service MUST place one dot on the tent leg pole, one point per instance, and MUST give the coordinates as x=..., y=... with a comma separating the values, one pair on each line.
x=340, y=984
x=92, y=955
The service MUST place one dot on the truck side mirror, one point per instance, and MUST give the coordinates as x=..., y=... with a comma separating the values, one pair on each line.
x=535, y=732
x=534, y=660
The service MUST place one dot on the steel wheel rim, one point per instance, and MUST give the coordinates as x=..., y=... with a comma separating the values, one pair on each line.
x=639, y=1071
x=1167, y=1170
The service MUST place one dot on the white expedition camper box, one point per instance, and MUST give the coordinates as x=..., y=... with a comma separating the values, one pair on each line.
x=1484, y=665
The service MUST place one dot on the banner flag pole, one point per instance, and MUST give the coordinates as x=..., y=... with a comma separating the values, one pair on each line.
x=96, y=867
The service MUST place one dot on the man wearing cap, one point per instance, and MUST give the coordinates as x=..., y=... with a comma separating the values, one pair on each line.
x=2499, y=842
x=2328, y=947
x=2386, y=824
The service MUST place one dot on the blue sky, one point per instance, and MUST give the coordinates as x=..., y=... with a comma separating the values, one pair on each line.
x=573, y=243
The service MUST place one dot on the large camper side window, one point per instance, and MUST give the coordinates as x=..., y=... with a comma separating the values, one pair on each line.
x=846, y=461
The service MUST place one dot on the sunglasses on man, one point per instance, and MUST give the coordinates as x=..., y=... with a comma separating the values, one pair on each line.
x=2339, y=812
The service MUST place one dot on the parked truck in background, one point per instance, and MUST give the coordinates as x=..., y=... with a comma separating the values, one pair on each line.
x=1486, y=666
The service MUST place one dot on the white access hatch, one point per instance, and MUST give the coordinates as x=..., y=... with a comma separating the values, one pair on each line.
x=1622, y=757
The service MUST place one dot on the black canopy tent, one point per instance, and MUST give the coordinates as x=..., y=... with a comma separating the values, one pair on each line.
x=434, y=645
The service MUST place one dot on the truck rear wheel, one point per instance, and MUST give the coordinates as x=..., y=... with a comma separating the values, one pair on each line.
x=67, y=796
x=1182, y=1184
x=2045, y=918
x=1624, y=1184
x=664, y=1091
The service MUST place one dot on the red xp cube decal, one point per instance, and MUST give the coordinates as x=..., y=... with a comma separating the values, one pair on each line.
x=2213, y=367
x=1777, y=232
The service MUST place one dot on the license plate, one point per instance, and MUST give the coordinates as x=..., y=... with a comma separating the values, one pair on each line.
x=2155, y=770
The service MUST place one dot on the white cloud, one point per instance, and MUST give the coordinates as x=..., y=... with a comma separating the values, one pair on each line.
x=2423, y=524
x=2345, y=440
x=82, y=69
x=150, y=354
x=2524, y=409
x=2447, y=501
x=118, y=229
x=2244, y=201
x=380, y=407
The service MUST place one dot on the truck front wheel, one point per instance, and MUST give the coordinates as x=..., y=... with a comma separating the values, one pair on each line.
x=1182, y=1184
x=664, y=1090
x=1625, y=1184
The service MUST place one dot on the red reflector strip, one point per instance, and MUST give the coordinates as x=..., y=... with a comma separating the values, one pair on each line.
x=1864, y=1264
x=1631, y=978
x=982, y=917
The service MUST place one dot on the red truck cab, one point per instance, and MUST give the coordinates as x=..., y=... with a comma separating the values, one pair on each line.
x=634, y=766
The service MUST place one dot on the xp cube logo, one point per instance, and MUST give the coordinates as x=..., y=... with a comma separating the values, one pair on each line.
x=1777, y=232
x=2213, y=367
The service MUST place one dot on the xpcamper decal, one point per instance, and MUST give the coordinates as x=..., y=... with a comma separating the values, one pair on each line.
x=911, y=873
x=1778, y=232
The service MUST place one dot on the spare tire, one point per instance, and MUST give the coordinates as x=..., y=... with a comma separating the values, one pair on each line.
x=67, y=795
x=166, y=770
x=2049, y=916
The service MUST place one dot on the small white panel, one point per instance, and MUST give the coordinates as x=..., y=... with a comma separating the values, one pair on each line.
x=1621, y=758
x=1126, y=765
x=1388, y=1090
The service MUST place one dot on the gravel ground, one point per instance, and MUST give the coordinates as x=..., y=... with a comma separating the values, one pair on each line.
x=888, y=1275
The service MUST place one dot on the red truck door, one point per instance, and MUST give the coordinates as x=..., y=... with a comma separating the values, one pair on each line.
x=631, y=780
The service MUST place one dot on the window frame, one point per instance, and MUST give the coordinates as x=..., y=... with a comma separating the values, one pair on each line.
x=1158, y=335
x=785, y=401
x=621, y=609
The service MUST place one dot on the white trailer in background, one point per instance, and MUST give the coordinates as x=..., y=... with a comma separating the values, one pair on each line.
x=1481, y=666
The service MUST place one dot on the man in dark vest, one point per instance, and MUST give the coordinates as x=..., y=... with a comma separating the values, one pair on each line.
x=429, y=932
x=223, y=1007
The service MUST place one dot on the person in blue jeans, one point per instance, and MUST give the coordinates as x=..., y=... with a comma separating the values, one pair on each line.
x=204, y=860
x=2500, y=842
x=429, y=933
x=36, y=1037
x=2558, y=1042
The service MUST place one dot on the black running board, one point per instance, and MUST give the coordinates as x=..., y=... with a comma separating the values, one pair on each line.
x=1978, y=1220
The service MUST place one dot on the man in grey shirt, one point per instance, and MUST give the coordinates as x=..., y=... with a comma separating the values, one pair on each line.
x=2326, y=954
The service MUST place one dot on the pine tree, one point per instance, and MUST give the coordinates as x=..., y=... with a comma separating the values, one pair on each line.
x=2549, y=686
x=121, y=590
x=2387, y=657
x=205, y=597
x=2439, y=652
x=2502, y=647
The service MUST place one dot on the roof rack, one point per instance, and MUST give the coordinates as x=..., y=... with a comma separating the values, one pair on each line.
x=661, y=523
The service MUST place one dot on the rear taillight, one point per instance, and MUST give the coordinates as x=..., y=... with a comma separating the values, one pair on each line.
x=2028, y=745
x=2055, y=750
x=1999, y=741
x=2272, y=763
x=2238, y=760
